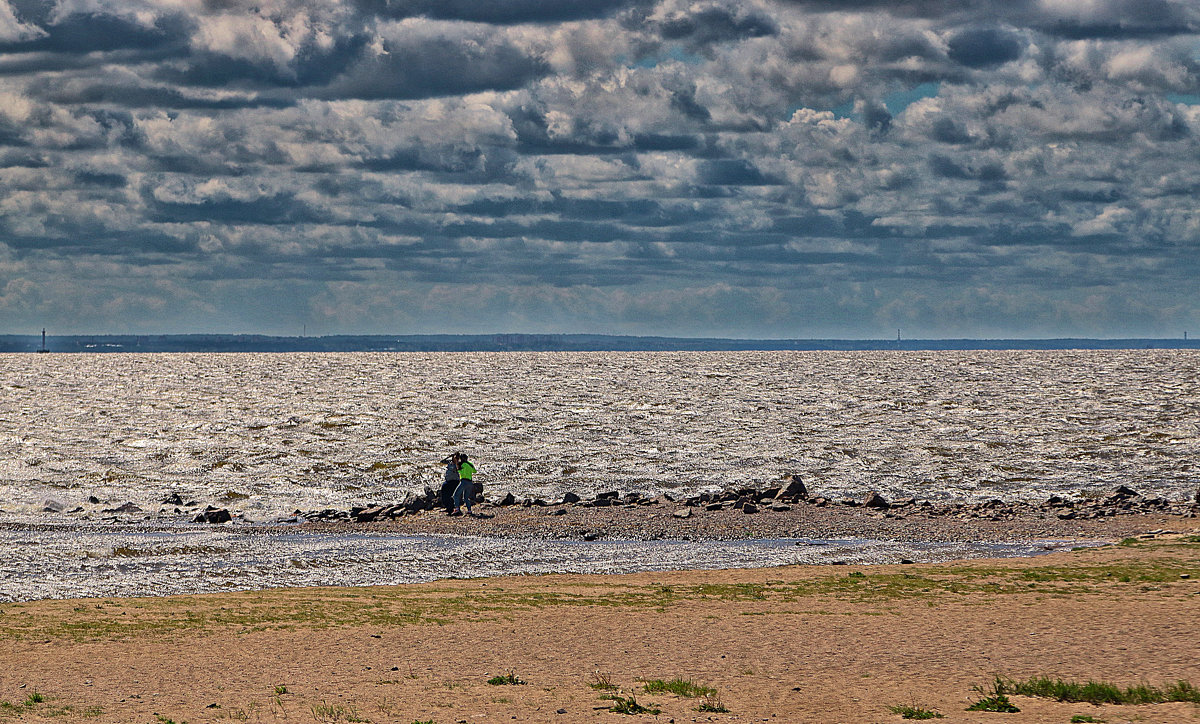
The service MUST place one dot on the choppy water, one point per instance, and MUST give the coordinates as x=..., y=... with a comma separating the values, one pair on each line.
x=270, y=433
x=266, y=434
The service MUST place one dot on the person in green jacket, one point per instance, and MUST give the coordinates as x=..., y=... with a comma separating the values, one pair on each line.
x=465, y=493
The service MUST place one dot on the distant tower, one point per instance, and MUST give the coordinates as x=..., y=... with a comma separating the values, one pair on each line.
x=897, y=335
x=43, y=349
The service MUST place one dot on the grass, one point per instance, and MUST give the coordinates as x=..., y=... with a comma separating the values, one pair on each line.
x=630, y=705
x=712, y=704
x=914, y=712
x=326, y=712
x=678, y=687
x=509, y=679
x=602, y=682
x=7, y=708
x=996, y=702
x=1085, y=719
x=1097, y=692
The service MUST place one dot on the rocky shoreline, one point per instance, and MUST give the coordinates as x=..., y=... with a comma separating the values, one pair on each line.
x=786, y=510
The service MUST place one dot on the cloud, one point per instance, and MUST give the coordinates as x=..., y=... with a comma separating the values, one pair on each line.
x=660, y=166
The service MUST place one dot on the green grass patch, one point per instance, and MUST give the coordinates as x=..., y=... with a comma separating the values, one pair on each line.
x=678, y=687
x=1097, y=692
x=630, y=705
x=914, y=712
x=996, y=702
x=1086, y=719
x=602, y=682
x=712, y=704
x=509, y=679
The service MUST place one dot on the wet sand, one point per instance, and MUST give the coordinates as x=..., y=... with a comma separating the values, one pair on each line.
x=791, y=644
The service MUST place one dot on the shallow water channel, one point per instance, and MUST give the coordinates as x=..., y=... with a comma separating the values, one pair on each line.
x=81, y=561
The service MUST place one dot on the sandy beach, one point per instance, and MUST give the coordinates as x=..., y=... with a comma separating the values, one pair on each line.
x=792, y=644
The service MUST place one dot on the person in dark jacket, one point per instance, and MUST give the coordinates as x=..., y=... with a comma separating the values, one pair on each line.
x=450, y=483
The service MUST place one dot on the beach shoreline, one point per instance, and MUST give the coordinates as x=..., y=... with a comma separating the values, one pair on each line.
x=793, y=643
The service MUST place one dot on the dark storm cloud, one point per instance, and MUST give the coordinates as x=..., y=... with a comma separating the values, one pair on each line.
x=96, y=32
x=983, y=47
x=438, y=65
x=496, y=11
x=709, y=25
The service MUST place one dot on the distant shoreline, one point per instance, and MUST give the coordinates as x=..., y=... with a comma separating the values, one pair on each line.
x=543, y=343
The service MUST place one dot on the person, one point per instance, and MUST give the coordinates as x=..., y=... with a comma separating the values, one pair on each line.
x=464, y=494
x=450, y=483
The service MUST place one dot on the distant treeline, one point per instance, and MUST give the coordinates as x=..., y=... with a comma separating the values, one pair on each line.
x=535, y=343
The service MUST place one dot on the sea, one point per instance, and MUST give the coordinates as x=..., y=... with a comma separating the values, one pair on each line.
x=267, y=434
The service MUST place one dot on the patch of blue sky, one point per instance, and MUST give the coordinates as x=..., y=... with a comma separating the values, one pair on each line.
x=673, y=52
x=1187, y=99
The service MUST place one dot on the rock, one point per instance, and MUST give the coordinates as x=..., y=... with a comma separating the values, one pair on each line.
x=603, y=502
x=590, y=535
x=792, y=489
x=715, y=506
x=1124, y=491
x=682, y=513
x=558, y=511
x=173, y=499
x=53, y=506
x=571, y=498
x=749, y=508
x=779, y=507
x=125, y=508
x=608, y=495
x=367, y=515
x=875, y=500
x=1196, y=500
x=96, y=501
x=508, y=499
x=213, y=516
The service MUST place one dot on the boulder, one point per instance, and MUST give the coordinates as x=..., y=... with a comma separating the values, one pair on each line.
x=53, y=506
x=1124, y=491
x=213, y=516
x=875, y=500
x=570, y=498
x=749, y=508
x=792, y=489
x=608, y=495
x=367, y=515
x=508, y=499
x=682, y=513
x=173, y=499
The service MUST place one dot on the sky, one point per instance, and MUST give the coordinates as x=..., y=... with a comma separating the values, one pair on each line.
x=734, y=168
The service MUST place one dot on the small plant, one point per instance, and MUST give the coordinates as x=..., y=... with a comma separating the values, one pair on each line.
x=622, y=705
x=678, y=687
x=856, y=574
x=326, y=712
x=602, y=682
x=996, y=702
x=423, y=721
x=1129, y=542
x=914, y=712
x=509, y=679
x=34, y=698
x=1085, y=719
x=165, y=720
x=280, y=690
x=713, y=704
